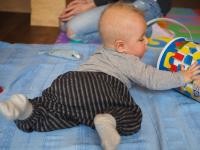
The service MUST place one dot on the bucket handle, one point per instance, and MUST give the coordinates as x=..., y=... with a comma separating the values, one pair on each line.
x=150, y=22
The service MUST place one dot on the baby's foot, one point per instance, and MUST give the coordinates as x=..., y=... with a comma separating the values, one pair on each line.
x=18, y=107
x=105, y=125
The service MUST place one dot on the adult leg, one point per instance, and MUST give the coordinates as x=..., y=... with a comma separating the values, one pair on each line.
x=84, y=27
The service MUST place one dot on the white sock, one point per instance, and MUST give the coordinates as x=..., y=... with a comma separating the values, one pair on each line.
x=105, y=125
x=17, y=108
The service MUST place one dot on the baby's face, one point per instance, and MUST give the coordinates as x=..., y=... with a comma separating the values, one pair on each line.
x=137, y=43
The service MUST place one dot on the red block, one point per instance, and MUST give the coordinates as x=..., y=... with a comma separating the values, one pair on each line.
x=178, y=56
x=178, y=44
x=173, y=68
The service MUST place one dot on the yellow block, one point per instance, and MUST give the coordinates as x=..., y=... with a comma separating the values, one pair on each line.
x=185, y=50
x=196, y=56
x=189, y=89
x=46, y=12
x=191, y=45
x=166, y=62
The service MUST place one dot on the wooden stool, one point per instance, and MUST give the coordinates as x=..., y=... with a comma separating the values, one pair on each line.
x=46, y=12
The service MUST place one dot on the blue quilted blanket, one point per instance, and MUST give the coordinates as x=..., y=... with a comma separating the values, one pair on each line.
x=171, y=121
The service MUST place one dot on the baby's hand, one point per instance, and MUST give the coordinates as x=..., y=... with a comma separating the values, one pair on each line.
x=192, y=73
x=197, y=83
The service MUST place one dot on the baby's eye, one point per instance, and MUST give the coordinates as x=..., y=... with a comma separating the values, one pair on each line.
x=141, y=39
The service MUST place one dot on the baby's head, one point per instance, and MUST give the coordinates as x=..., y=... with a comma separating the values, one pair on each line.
x=122, y=27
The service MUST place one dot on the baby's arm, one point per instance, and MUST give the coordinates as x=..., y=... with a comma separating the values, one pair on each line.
x=152, y=78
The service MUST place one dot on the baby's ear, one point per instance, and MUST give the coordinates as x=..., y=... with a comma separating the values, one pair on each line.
x=120, y=46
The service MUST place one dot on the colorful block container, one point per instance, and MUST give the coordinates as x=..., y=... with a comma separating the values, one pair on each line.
x=179, y=52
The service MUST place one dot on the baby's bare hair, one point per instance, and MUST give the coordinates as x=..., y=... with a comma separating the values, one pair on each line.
x=111, y=19
x=122, y=5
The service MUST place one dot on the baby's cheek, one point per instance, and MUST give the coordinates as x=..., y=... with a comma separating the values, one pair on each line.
x=145, y=47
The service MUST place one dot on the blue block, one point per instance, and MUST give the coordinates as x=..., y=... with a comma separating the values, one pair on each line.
x=179, y=67
x=193, y=50
x=171, y=60
x=188, y=60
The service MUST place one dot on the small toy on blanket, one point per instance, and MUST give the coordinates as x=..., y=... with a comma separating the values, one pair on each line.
x=63, y=53
x=181, y=52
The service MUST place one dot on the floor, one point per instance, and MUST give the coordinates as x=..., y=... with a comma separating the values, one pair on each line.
x=15, y=27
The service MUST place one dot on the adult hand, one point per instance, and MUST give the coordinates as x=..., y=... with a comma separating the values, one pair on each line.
x=76, y=7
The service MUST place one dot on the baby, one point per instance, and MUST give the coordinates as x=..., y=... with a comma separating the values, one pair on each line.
x=97, y=93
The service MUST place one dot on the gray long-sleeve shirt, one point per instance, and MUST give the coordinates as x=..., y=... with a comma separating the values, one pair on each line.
x=130, y=69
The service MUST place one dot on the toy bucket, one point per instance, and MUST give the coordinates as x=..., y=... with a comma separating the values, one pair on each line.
x=172, y=21
x=177, y=52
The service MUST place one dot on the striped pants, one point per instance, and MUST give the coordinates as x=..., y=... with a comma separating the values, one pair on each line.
x=76, y=97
